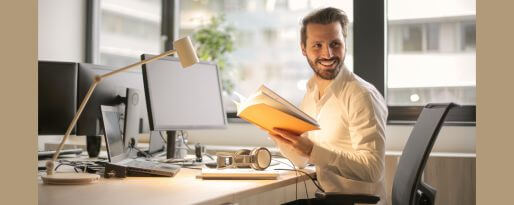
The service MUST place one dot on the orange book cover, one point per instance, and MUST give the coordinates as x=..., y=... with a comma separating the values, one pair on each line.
x=268, y=110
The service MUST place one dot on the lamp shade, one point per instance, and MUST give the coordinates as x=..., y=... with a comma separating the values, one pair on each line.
x=186, y=52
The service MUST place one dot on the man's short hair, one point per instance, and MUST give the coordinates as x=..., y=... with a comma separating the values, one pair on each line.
x=324, y=16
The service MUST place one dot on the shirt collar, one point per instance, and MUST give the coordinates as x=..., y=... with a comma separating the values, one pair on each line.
x=336, y=84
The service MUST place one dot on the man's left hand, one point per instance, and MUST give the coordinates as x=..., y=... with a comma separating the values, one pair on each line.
x=302, y=145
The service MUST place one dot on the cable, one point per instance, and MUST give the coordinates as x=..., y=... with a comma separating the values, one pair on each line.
x=314, y=181
x=292, y=166
x=184, y=136
x=296, y=173
x=312, y=178
x=132, y=145
x=165, y=141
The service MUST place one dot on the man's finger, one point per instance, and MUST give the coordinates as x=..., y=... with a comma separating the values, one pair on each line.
x=280, y=139
x=287, y=135
x=273, y=134
x=284, y=131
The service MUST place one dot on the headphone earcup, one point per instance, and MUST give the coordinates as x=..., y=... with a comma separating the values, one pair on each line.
x=262, y=158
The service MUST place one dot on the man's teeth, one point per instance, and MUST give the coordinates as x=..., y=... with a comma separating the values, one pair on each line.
x=327, y=63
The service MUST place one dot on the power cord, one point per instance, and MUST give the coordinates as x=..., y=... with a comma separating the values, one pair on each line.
x=132, y=145
x=78, y=166
x=314, y=181
x=184, y=136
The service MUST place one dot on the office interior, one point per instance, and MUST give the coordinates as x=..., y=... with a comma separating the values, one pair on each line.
x=439, y=34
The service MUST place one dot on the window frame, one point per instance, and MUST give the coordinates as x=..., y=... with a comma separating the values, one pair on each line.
x=370, y=59
x=369, y=51
x=168, y=30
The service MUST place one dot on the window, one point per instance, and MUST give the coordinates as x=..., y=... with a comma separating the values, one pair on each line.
x=127, y=29
x=267, y=41
x=431, y=52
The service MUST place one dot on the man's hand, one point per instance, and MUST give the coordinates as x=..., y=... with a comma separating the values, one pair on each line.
x=302, y=145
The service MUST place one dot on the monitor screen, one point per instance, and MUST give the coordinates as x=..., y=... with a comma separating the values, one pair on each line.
x=183, y=98
x=57, y=96
x=113, y=136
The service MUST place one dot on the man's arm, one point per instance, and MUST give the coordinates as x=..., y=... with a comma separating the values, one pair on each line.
x=367, y=119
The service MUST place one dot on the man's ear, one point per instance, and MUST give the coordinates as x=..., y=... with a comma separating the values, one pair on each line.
x=304, y=52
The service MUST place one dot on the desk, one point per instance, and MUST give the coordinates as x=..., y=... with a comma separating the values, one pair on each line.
x=184, y=188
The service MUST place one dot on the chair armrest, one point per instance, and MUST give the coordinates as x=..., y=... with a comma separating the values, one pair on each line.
x=348, y=198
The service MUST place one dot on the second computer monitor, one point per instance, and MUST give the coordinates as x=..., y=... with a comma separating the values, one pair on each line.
x=183, y=98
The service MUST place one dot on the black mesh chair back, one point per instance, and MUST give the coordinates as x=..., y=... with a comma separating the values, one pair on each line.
x=407, y=186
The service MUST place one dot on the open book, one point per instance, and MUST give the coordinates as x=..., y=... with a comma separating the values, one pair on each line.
x=268, y=110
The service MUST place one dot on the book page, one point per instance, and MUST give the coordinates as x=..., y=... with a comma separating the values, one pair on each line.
x=286, y=106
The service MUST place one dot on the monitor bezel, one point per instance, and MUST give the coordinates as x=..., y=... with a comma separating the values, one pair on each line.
x=149, y=101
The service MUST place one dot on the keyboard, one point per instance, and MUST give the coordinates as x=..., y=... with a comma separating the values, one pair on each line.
x=141, y=164
x=48, y=154
x=137, y=167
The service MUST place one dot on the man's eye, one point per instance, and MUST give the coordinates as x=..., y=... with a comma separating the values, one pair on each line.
x=336, y=44
x=317, y=45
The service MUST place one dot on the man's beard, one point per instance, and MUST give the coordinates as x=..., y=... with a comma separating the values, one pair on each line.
x=326, y=74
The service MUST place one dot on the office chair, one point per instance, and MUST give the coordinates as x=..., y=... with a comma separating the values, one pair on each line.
x=408, y=189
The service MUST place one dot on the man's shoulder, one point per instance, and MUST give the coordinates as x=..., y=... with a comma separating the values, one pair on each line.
x=356, y=86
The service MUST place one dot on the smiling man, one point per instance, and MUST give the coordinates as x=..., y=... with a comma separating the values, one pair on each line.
x=348, y=150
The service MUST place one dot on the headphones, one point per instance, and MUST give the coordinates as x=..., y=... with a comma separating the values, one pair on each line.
x=258, y=159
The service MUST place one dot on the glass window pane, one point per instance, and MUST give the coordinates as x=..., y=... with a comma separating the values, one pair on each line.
x=266, y=41
x=129, y=28
x=468, y=37
x=412, y=38
x=432, y=56
x=432, y=36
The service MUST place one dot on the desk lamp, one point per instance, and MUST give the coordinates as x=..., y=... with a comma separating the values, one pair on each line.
x=187, y=54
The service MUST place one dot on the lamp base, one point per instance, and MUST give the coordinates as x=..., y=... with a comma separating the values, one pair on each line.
x=70, y=178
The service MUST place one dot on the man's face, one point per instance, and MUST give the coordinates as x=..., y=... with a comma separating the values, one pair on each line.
x=325, y=49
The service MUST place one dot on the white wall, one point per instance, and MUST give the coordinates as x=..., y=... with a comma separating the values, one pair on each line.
x=61, y=37
x=62, y=30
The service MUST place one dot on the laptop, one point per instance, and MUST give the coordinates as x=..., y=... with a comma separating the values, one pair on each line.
x=118, y=153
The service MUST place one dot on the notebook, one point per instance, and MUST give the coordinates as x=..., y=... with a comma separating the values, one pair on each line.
x=238, y=173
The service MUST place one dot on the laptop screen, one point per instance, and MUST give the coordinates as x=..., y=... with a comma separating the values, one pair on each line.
x=113, y=135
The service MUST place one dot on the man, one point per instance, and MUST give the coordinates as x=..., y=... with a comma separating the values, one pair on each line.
x=348, y=150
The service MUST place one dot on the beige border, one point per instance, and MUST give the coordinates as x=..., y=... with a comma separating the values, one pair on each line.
x=494, y=101
x=495, y=116
x=18, y=110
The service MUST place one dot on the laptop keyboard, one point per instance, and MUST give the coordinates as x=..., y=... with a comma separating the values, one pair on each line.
x=141, y=164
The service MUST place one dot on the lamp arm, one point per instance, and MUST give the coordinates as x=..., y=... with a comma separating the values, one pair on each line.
x=167, y=53
x=51, y=164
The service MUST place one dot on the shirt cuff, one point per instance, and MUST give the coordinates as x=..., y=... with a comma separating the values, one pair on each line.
x=319, y=156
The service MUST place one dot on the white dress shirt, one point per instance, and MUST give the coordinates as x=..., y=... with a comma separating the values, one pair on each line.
x=349, y=148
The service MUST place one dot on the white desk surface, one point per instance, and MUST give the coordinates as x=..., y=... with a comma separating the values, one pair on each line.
x=184, y=188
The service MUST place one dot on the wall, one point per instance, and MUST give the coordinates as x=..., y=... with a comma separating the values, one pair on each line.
x=61, y=37
x=62, y=30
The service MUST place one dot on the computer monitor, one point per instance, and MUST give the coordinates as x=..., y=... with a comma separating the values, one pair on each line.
x=182, y=98
x=57, y=96
x=133, y=100
x=107, y=92
x=110, y=91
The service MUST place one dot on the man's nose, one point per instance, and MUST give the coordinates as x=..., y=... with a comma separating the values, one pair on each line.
x=327, y=52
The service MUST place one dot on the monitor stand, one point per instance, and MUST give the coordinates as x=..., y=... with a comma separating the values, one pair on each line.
x=170, y=144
